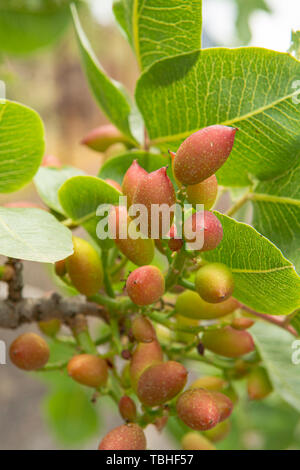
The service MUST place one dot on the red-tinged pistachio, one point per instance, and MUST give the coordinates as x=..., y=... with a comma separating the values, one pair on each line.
x=189, y=304
x=127, y=408
x=114, y=184
x=214, y=282
x=51, y=161
x=126, y=437
x=203, y=153
x=138, y=250
x=203, y=231
x=242, y=323
x=23, y=205
x=225, y=405
x=50, y=327
x=145, y=285
x=143, y=330
x=196, y=441
x=161, y=382
x=101, y=138
x=156, y=189
x=209, y=382
x=29, y=352
x=85, y=267
x=198, y=409
x=228, y=342
x=132, y=178
x=203, y=193
x=259, y=385
x=145, y=355
x=88, y=370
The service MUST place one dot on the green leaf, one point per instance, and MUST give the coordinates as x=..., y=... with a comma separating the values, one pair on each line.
x=275, y=347
x=80, y=197
x=34, y=235
x=115, y=168
x=276, y=212
x=108, y=93
x=248, y=88
x=70, y=414
x=160, y=29
x=21, y=145
x=49, y=180
x=264, y=279
x=24, y=29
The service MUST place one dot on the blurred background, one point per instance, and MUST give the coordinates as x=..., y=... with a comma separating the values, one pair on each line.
x=50, y=80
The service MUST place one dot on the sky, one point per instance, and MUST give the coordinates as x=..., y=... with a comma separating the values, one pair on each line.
x=270, y=31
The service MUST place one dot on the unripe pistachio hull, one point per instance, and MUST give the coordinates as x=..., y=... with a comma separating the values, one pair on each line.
x=214, y=282
x=29, y=352
x=139, y=251
x=211, y=383
x=228, y=342
x=219, y=432
x=224, y=404
x=143, y=330
x=88, y=370
x=205, y=227
x=131, y=180
x=196, y=441
x=198, y=409
x=154, y=190
x=203, y=153
x=85, y=267
x=145, y=285
x=50, y=327
x=203, y=193
x=125, y=437
x=161, y=382
x=127, y=408
x=101, y=138
x=259, y=385
x=145, y=355
x=189, y=304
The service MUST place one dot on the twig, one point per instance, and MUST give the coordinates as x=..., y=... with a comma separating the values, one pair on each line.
x=271, y=319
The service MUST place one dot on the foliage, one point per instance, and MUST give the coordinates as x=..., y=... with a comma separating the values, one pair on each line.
x=181, y=89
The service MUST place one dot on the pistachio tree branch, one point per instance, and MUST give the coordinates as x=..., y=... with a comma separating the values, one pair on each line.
x=15, y=314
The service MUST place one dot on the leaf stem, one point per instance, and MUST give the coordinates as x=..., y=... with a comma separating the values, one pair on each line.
x=271, y=319
x=235, y=207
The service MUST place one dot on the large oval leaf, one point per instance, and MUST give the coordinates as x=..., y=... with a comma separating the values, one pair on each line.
x=21, y=145
x=276, y=215
x=115, y=168
x=108, y=93
x=80, y=197
x=275, y=346
x=161, y=29
x=34, y=235
x=49, y=180
x=248, y=88
x=264, y=279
